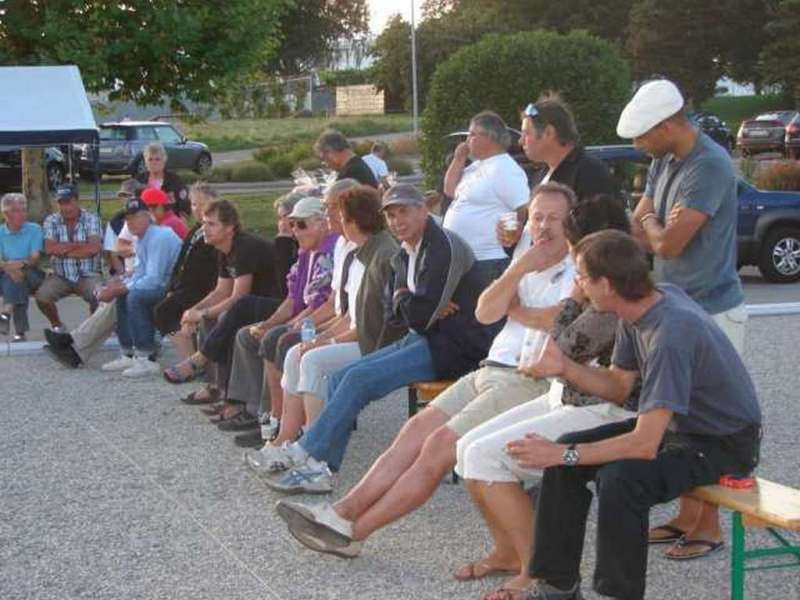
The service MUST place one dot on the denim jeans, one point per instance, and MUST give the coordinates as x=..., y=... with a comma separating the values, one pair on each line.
x=406, y=361
x=135, y=321
x=17, y=295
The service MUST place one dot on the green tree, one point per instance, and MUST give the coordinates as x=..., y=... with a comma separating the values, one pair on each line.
x=781, y=54
x=143, y=50
x=392, y=68
x=506, y=72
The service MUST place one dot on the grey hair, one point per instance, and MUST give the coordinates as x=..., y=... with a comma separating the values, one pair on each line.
x=13, y=199
x=287, y=201
x=155, y=148
x=340, y=186
x=204, y=189
x=494, y=126
x=333, y=140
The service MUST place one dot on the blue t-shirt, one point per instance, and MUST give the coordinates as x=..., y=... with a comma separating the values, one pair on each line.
x=19, y=245
x=689, y=366
x=706, y=181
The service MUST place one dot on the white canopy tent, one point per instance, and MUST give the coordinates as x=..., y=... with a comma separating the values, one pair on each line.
x=45, y=106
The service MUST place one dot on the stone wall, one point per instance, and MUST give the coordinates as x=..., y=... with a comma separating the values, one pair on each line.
x=359, y=100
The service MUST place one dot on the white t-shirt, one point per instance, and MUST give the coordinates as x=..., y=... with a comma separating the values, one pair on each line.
x=110, y=240
x=488, y=188
x=411, y=273
x=340, y=251
x=377, y=166
x=535, y=290
x=354, y=278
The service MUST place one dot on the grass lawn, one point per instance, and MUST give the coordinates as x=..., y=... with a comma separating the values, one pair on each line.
x=239, y=134
x=255, y=212
x=735, y=109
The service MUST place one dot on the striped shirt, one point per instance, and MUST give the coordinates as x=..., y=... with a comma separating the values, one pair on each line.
x=87, y=226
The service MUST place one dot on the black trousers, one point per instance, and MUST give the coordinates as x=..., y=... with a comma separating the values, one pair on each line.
x=626, y=489
x=167, y=313
x=218, y=344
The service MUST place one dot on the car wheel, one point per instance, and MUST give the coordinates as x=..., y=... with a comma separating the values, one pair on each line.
x=203, y=164
x=55, y=175
x=780, y=255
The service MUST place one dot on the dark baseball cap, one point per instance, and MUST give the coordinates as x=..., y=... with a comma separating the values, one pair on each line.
x=130, y=188
x=402, y=194
x=68, y=191
x=135, y=205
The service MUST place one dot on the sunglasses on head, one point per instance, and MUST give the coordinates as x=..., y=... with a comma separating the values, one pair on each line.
x=531, y=111
x=298, y=224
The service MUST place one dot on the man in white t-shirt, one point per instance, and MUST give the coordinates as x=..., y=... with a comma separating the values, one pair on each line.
x=528, y=294
x=377, y=165
x=492, y=185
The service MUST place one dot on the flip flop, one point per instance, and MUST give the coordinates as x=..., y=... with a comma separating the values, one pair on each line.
x=480, y=569
x=506, y=593
x=675, y=534
x=193, y=400
x=182, y=372
x=708, y=547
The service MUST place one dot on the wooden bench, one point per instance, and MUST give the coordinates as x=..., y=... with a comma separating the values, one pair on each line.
x=766, y=505
x=421, y=393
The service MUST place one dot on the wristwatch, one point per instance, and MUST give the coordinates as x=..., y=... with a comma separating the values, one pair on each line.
x=571, y=456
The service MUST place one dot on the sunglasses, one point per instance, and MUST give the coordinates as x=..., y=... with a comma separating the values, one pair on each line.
x=531, y=111
x=298, y=224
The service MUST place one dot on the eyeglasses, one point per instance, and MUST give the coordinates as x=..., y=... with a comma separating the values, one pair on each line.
x=298, y=224
x=531, y=111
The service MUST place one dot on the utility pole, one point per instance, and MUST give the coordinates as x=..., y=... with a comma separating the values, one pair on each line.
x=414, y=68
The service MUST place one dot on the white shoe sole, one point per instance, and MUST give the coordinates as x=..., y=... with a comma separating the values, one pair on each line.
x=316, y=536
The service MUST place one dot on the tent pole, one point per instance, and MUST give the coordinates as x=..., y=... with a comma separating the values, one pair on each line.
x=97, y=177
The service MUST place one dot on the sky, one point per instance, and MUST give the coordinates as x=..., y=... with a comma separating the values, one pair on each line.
x=381, y=10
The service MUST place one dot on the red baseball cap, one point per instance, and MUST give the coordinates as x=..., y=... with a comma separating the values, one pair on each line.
x=155, y=197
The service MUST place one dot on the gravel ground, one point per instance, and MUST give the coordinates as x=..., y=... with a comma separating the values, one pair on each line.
x=114, y=489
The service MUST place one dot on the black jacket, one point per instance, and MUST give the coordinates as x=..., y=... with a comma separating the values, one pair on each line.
x=585, y=174
x=443, y=273
x=196, y=266
x=174, y=186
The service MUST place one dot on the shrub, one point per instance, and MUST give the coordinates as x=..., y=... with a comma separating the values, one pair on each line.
x=310, y=164
x=405, y=146
x=251, y=171
x=220, y=174
x=281, y=167
x=504, y=73
x=266, y=153
x=300, y=151
x=784, y=175
x=400, y=166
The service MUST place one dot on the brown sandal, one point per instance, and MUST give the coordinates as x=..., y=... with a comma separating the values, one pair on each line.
x=506, y=593
x=480, y=569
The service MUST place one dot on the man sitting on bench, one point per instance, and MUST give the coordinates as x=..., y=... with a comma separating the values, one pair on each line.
x=698, y=419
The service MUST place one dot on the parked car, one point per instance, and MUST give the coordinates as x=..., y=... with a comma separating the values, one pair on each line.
x=11, y=167
x=764, y=133
x=715, y=128
x=122, y=143
x=791, y=141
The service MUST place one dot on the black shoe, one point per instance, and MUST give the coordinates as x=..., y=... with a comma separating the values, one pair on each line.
x=5, y=324
x=58, y=340
x=241, y=422
x=66, y=356
x=249, y=439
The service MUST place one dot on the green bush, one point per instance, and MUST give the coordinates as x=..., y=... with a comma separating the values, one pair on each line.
x=400, y=166
x=346, y=77
x=310, y=164
x=504, y=73
x=300, y=151
x=784, y=176
x=266, y=153
x=220, y=174
x=281, y=167
x=251, y=171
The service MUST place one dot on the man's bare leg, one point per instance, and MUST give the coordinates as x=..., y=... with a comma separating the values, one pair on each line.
x=50, y=311
x=292, y=419
x=705, y=526
x=415, y=486
x=183, y=340
x=313, y=406
x=275, y=389
x=508, y=512
x=390, y=465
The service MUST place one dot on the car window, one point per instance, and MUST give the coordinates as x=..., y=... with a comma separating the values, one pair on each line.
x=146, y=134
x=168, y=135
x=115, y=134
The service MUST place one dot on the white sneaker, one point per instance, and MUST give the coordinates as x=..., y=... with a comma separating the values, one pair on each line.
x=320, y=528
x=142, y=367
x=120, y=364
x=270, y=459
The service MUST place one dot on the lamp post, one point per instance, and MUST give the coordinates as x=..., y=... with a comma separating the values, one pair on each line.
x=414, y=68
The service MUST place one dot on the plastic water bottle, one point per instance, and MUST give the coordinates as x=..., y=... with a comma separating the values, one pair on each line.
x=307, y=330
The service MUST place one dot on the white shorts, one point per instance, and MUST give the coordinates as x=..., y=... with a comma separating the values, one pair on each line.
x=309, y=374
x=482, y=452
x=733, y=323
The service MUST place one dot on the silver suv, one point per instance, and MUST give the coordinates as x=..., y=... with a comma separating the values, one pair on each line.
x=122, y=143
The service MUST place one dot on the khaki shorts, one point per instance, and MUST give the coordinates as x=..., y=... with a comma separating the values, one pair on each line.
x=55, y=287
x=484, y=394
x=733, y=322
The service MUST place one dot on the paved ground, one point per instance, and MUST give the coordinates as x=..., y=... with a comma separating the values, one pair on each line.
x=114, y=489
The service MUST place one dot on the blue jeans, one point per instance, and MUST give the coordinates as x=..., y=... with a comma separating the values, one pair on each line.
x=17, y=295
x=135, y=322
x=349, y=390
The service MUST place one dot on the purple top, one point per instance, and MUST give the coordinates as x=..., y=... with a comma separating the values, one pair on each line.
x=309, y=279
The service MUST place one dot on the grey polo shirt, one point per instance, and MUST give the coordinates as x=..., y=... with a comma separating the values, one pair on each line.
x=689, y=366
x=706, y=181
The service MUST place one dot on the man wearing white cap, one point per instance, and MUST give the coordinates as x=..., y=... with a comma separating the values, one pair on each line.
x=687, y=219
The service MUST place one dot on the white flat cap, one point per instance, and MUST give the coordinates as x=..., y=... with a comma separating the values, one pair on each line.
x=652, y=103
